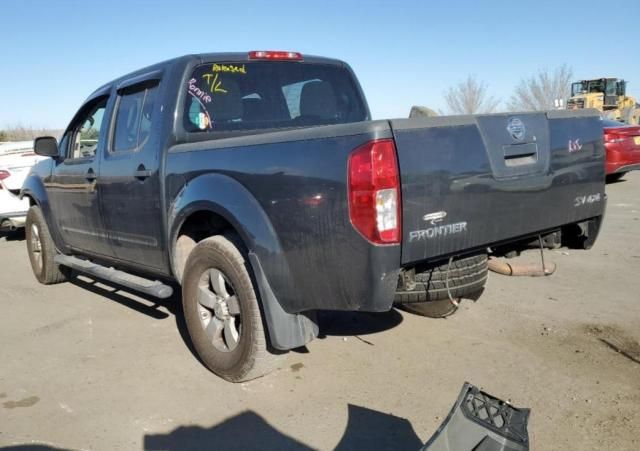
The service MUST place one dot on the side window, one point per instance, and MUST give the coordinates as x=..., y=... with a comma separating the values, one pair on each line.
x=64, y=144
x=86, y=133
x=133, y=119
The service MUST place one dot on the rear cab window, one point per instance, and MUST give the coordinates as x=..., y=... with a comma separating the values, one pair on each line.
x=229, y=96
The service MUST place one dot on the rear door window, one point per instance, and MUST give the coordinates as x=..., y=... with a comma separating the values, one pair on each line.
x=133, y=119
x=223, y=97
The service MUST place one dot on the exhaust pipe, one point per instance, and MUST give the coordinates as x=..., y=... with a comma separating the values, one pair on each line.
x=521, y=269
x=7, y=224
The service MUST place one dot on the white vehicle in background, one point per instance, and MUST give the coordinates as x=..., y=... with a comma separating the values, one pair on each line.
x=16, y=160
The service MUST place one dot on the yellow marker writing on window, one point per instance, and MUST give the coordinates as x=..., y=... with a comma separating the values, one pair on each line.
x=232, y=68
x=214, y=83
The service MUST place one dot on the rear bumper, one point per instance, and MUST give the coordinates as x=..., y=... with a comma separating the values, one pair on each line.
x=13, y=210
x=616, y=168
x=621, y=160
x=12, y=221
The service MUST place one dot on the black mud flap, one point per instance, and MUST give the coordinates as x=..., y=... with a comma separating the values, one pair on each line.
x=480, y=422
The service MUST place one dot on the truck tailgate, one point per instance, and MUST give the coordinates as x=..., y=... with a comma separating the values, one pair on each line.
x=472, y=181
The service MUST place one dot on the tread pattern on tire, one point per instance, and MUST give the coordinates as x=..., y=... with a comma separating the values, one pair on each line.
x=466, y=276
x=51, y=273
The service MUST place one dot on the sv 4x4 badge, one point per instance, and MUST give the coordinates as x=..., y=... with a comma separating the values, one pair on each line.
x=587, y=200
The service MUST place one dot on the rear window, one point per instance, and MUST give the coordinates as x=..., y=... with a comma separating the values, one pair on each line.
x=262, y=95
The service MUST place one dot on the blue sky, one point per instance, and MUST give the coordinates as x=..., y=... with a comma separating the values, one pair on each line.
x=54, y=53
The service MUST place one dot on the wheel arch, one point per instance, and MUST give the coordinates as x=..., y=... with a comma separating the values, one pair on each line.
x=217, y=203
x=225, y=204
x=34, y=189
x=202, y=220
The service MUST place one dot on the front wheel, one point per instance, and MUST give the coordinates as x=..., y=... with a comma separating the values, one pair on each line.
x=222, y=313
x=41, y=249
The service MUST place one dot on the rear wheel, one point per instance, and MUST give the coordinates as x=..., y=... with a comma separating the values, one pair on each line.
x=438, y=289
x=222, y=313
x=41, y=249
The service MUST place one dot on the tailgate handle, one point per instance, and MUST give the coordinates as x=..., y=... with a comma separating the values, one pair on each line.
x=520, y=154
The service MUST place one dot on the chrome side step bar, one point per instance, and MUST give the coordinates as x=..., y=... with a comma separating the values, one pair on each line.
x=151, y=287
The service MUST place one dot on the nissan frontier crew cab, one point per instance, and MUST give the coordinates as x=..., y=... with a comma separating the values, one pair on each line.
x=259, y=184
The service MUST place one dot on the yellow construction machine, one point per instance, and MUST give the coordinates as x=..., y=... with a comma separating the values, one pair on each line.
x=608, y=95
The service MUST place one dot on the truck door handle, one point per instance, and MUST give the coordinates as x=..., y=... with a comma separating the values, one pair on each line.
x=90, y=175
x=142, y=172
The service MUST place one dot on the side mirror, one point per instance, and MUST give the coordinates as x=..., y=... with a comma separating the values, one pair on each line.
x=46, y=146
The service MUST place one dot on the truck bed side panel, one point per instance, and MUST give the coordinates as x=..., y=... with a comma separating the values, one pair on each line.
x=299, y=180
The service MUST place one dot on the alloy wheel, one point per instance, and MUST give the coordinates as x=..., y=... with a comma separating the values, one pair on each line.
x=219, y=310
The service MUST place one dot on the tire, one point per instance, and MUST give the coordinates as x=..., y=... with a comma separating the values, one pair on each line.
x=222, y=313
x=41, y=249
x=432, y=309
x=633, y=116
x=611, y=178
x=437, y=285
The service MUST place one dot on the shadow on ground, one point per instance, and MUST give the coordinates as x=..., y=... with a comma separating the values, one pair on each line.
x=331, y=323
x=17, y=235
x=356, y=323
x=366, y=429
x=31, y=447
x=142, y=303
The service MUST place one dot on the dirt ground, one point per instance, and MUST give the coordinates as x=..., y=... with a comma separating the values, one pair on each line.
x=85, y=367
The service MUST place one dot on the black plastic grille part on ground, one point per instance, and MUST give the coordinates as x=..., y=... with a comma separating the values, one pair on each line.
x=497, y=415
x=481, y=422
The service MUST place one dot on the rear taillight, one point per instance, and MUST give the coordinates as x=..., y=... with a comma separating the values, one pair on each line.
x=3, y=175
x=274, y=55
x=621, y=134
x=613, y=138
x=374, y=192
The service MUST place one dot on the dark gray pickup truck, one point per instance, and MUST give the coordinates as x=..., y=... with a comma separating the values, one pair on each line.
x=259, y=184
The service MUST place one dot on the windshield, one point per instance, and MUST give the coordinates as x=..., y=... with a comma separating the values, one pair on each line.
x=577, y=88
x=266, y=94
x=596, y=86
